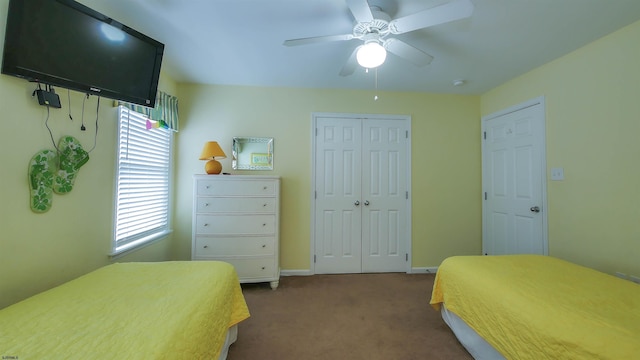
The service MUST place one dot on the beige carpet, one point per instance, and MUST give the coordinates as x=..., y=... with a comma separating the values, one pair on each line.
x=354, y=316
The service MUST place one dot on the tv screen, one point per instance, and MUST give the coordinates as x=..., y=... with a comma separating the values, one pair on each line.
x=64, y=43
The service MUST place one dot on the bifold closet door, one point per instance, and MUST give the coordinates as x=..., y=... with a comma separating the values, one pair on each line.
x=385, y=196
x=361, y=195
x=338, y=196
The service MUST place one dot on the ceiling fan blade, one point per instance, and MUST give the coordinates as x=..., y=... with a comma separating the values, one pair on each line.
x=360, y=10
x=317, y=39
x=455, y=10
x=351, y=64
x=408, y=52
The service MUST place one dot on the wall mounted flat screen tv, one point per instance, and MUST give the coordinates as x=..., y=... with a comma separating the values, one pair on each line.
x=64, y=43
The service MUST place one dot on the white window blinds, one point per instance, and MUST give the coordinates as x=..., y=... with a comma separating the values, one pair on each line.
x=142, y=182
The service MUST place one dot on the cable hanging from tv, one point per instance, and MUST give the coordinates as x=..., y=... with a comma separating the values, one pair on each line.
x=52, y=103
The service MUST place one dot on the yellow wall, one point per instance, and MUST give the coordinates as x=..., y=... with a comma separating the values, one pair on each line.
x=593, y=132
x=38, y=251
x=445, y=152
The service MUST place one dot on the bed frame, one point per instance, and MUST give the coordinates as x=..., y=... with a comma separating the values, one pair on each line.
x=164, y=310
x=537, y=307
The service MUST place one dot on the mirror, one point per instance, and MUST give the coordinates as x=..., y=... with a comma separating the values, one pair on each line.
x=252, y=153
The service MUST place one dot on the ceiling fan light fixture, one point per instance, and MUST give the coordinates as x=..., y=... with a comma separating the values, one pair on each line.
x=371, y=54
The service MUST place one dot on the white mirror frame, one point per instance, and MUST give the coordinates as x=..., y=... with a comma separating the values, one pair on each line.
x=252, y=153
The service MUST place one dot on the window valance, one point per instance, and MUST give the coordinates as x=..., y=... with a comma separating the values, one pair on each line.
x=165, y=113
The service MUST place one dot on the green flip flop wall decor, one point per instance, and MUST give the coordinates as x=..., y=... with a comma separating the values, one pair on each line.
x=72, y=157
x=54, y=171
x=41, y=173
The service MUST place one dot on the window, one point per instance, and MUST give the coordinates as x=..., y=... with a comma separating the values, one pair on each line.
x=142, y=182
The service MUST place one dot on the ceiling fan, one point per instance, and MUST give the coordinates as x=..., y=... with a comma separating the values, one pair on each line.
x=375, y=28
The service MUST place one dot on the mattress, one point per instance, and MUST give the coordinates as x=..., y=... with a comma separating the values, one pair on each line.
x=536, y=307
x=474, y=343
x=232, y=336
x=165, y=310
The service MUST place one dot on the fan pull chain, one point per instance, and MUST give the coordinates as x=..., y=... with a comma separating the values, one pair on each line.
x=375, y=96
x=375, y=93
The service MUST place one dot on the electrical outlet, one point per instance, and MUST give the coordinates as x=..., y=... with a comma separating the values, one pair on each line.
x=557, y=174
x=635, y=279
x=621, y=275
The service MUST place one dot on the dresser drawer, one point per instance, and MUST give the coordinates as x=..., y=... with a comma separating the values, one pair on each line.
x=222, y=204
x=236, y=188
x=235, y=224
x=207, y=247
x=254, y=268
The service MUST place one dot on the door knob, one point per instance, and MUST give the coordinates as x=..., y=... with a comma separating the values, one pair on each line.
x=535, y=209
x=357, y=203
x=366, y=203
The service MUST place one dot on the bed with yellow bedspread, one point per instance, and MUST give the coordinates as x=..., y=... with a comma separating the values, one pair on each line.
x=163, y=310
x=540, y=307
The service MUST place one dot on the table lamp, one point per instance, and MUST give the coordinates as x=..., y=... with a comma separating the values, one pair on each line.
x=210, y=152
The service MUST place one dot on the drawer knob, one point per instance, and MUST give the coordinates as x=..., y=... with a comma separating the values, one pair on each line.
x=206, y=246
x=206, y=204
x=264, y=205
x=264, y=224
x=263, y=268
x=207, y=186
x=264, y=245
x=205, y=224
x=264, y=188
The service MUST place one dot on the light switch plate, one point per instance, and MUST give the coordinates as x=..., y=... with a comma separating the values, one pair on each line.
x=557, y=174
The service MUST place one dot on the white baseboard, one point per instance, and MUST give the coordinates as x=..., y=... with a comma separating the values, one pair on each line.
x=424, y=270
x=308, y=272
x=301, y=272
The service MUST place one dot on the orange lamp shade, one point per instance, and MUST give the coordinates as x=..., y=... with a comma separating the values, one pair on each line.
x=211, y=151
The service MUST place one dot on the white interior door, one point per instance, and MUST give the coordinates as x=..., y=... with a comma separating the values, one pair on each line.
x=361, y=201
x=385, y=195
x=513, y=177
x=338, y=218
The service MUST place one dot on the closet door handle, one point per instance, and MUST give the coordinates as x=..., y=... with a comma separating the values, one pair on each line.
x=366, y=203
x=357, y=203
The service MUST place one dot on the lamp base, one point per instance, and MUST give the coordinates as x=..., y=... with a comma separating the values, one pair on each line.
x=213, y=167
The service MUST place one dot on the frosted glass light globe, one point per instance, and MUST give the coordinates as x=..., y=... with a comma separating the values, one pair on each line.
x=371, y=55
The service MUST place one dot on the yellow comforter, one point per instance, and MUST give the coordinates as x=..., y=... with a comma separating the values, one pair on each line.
x=539, y=307
x=166, y=310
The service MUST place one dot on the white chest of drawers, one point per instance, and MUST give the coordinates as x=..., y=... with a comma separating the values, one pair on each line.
x=236, y=219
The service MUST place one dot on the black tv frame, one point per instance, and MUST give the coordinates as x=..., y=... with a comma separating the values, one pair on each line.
x=11, y=45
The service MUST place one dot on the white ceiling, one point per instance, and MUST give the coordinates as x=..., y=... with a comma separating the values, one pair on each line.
x=239, y=42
